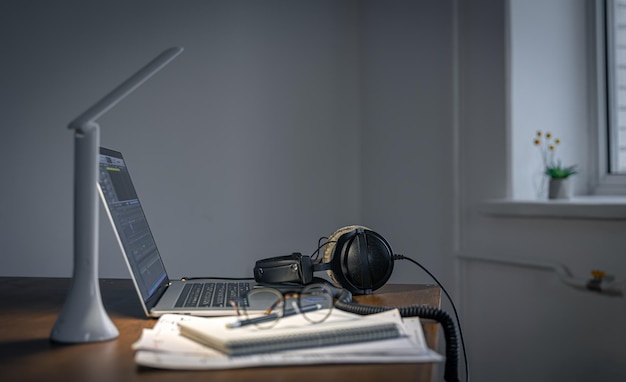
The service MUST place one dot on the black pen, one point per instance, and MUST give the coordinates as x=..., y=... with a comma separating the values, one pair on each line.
x=272, y=316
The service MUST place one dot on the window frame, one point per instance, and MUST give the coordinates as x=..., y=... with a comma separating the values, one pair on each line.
x=602, y=181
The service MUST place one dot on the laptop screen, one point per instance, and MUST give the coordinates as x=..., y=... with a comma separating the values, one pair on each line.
x=131, y=226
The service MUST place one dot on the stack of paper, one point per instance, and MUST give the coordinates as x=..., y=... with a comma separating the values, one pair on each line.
x=165, y=347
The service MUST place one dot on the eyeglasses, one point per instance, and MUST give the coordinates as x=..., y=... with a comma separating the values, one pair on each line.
x=314, y=302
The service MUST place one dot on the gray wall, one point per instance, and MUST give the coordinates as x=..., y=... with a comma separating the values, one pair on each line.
x=244, y=147
x=281, y=122
x=407, y=116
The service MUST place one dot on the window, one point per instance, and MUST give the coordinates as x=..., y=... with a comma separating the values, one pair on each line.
x=616, y=84
x=558, y=80
x=610, y=51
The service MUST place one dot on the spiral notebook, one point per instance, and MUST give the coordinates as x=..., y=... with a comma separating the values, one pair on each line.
x=163, y=347
x=290, y=333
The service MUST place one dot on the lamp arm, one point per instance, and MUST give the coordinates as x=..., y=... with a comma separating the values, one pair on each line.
x=83, y=121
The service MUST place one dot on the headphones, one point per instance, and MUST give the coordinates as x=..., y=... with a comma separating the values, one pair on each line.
x=355, y=258
x=360, y=261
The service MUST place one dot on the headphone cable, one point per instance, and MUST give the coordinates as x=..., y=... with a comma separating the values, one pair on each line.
x=456, y=314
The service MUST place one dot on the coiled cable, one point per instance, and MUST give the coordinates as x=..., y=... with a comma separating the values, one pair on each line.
x=451, y=374
x=425, y=312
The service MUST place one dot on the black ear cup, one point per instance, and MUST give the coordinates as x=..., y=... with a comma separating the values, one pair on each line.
x=360, y=259
x=294, y=268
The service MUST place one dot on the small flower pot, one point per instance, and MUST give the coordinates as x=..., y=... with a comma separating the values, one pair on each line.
x=559, y=188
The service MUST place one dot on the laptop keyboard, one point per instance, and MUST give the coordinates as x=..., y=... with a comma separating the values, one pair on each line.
x=213, y=294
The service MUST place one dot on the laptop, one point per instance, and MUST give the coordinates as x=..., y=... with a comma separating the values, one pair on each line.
x=158, y=293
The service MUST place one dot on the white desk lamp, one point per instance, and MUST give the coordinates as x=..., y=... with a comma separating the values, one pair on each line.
x=83, y=318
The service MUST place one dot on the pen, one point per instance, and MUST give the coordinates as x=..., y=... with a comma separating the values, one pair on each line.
x=272, y=316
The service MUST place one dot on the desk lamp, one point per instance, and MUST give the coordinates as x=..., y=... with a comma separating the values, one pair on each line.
x=83, y=318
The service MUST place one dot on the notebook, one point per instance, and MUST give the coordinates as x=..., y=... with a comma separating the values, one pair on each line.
x=163, y=347
x=158, y=293
x=291, y=333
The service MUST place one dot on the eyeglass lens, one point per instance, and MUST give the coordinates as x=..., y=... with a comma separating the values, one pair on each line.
x=315, y=301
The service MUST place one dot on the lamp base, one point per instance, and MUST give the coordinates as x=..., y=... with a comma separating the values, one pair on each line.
x=83, y=318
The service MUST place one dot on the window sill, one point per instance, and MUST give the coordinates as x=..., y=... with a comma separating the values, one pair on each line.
x=581, y=207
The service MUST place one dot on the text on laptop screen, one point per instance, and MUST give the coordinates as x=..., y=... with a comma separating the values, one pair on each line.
x=131, y=225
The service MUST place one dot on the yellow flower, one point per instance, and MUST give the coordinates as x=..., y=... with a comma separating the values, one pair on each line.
x=547, y=148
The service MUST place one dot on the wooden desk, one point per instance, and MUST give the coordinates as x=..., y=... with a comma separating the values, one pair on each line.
x=30, y=307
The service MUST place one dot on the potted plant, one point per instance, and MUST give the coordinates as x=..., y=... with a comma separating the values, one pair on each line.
x=558, y=175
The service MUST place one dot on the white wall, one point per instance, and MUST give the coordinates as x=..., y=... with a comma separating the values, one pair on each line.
x=523, y=324
x=548, y=90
